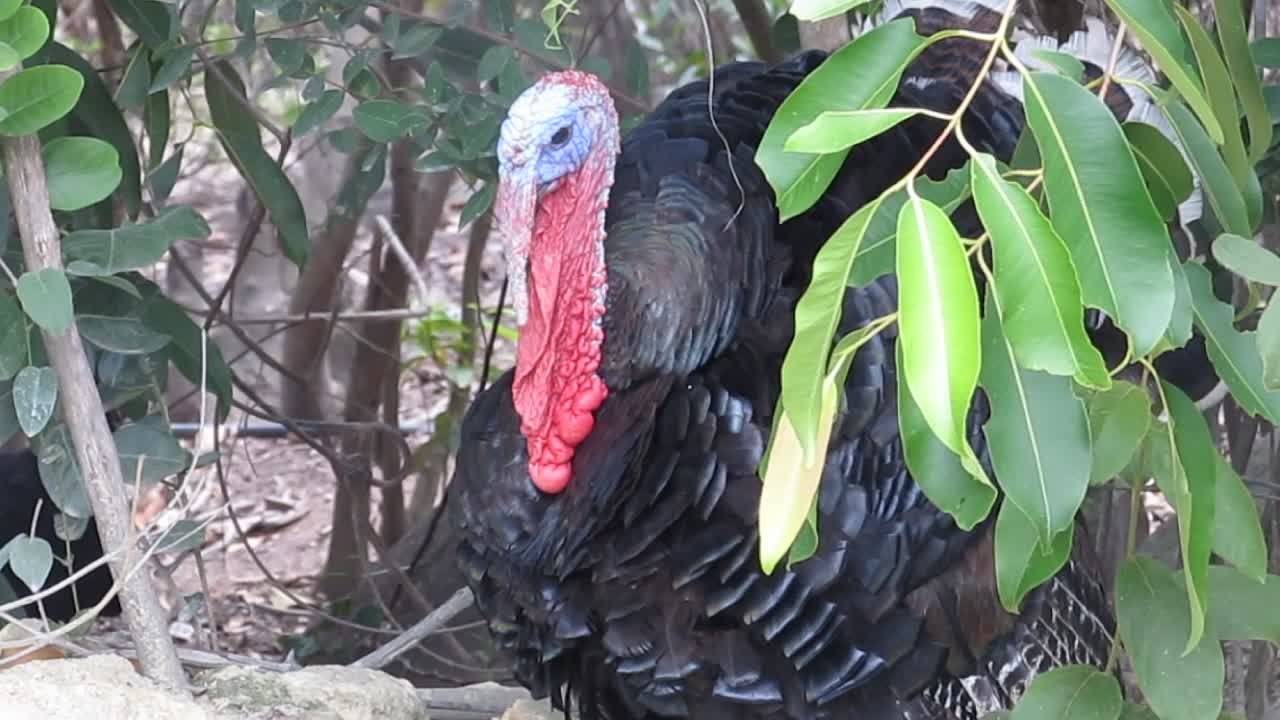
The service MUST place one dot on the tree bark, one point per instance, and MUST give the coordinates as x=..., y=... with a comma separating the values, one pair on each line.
x=86, y=419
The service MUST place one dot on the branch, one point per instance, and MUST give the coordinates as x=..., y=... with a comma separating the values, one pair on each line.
x=86, y=419
x=409, y=639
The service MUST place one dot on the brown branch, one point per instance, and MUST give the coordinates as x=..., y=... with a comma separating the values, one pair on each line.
x=759, y=26
x=95, y=450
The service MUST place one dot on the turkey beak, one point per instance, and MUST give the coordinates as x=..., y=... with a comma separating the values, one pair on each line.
x=514, y=211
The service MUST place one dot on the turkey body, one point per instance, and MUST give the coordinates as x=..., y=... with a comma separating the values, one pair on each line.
x=637, y=592
x=20, y=491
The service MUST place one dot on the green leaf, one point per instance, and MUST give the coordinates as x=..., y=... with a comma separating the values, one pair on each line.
x=637, y=69
x=1154, y=623
x=790, y=482
x=136, y=83
x=817, y=316
x=8, y=57
x=1268, y=339
x=1222, y=98
x=80, y=171
x=182, y=536
x=1063, y=63
x=1234, y=354
x=148, y=18
x=134, y=247
x=1101, y=207
x=478, y=204
x=25, y=31
x=1118, y=419
x=383, y=120
x=317, y=113
x=836, y=130
x=935, y=468
x=493, y=61
x=1217, y=184
x=37, y=97
x=13, y=338
x=124, y=335
x=9, y=7
x=1167, y=175
x=289, y=54
x=415, y=39
x=46, y=298
x=1189, y=486
x=151, y=446
x=101, y=116
x=1154, y=25
x=31, y=559
x=813, y=10
x=1234, y=35
x=1035, y=282
x=156, y=118
x=863, y=74
x=239, y=134
x=1248, y=259
x=1179, y=331
x=877, y=253
x=1244, y=608
x=1074, y=691
x=174, y=65
x=60, y=472
x=938, y=322
x=1037, y=434
x=35, y=393
x=1266, y=51
x=195, y=355
x=163, y=178
x=1237, y=531
x=1022, y=563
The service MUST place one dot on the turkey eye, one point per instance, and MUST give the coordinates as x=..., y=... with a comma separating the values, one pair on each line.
x=561, y=137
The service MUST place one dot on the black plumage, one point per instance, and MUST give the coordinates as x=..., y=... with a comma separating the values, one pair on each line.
x=20, y=491
x=637, y=592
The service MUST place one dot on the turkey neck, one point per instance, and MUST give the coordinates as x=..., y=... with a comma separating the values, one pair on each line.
x=556, y=388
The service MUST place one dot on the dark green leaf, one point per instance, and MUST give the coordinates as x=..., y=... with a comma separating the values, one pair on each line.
x=1268, y=338
x=35, y=393
x=1234, y=34
x=1266, y=51
x=100, y=115
x=80, y=171
x=1022, y=563
x=476, y=205
x=157, y=119
x=36, y=97
x=937, y=469
x=1234, y=354
x=287, y=53
x=133, y=247
x=637, y=69
x=174, y=65
x=46, y=298
x=148, y=18
x=238, y=132
x=13, y=338
x=415, y=39
x=31, y=559
x=150, y=449
x=1237, y=531
x=383, y=120
x=163, y=177
x=60, y=472
x=1180, y=321
x=318, y=112
x=136, y=83
x=1190, y=488
x=1217, y=184
x=194, y=354
x=1155, y=623
x=1074, y=691
x=1154, y=24
x=1118, y=420
x=1167, y=175
x=492, y=62
x=1244, y=608
x=1101, y=207
x=125, y=335
x=183, y=536
x=861, y=75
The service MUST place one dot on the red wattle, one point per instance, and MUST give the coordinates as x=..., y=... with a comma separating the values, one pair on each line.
x=556, y=389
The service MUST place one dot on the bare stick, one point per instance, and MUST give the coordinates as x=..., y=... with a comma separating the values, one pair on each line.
x=406, y=260
x=95, y=450
x=461, y=600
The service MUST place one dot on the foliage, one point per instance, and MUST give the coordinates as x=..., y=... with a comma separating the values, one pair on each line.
x=1086, y=226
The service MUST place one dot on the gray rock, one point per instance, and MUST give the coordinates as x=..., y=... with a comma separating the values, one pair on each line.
x=324, y=692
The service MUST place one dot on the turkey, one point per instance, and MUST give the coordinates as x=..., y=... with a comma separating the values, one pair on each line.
x=606, y=489
x=20, y=491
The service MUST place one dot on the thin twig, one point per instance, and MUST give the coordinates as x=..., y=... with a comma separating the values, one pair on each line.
x=429, y=625
x=406, y=260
